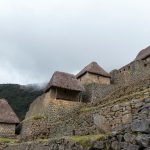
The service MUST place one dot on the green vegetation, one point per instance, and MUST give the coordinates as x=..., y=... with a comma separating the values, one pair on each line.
x=19, y=97
x=39, y=117
x=85, y=109
x=86, y=141
x=7, y=140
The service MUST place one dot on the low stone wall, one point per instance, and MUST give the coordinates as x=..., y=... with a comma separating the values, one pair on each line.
x=7, y=130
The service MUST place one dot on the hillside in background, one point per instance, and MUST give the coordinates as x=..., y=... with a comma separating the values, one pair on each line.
x=19, y=97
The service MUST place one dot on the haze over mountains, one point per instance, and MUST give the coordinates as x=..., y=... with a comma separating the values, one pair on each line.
x=20, y=97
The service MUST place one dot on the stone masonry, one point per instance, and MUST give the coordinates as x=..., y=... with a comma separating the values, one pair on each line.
x=7, y=130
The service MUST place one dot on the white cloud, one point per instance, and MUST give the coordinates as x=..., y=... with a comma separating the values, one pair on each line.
x=38, y=37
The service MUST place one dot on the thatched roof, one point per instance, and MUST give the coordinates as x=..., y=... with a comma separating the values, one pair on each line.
x=143, y=54
x=7, y=115
x=93, y=68
x=65, y=81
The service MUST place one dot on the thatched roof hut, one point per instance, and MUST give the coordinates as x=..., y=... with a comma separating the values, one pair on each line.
x=65, y=81
x=143, y=54
x=7, y=115
x=93, y=68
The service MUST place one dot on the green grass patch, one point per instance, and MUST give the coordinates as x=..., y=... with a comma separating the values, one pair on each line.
x=7, y=140
x=86, y=141
x=85, y=109
x=34, y=118
x=39, y=117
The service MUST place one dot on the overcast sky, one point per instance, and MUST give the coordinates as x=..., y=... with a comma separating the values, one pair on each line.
x=38, y=37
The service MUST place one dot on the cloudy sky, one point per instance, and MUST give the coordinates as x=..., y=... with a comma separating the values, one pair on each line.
x=38, y=37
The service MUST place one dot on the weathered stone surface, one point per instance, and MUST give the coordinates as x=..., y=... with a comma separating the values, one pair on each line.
x=115, y=108
x=124, y=145
x=98, y=145
x=144, y=140
x=140, y=126
x=127, y=118
x=130, y=138
x=115, y=145
x=101, y=123
x=7, y=130
x=133, y=147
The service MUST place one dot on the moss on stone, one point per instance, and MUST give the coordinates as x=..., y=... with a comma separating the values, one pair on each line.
x=85, y=109
x=86, y=141
x=7, y=140
x=39, y=117
x=34, y=118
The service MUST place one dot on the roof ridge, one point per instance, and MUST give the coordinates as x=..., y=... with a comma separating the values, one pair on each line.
x=94, y=68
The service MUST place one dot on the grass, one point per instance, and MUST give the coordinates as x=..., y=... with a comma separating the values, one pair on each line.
x=7, y=140
x=39, y=117
x=86, y=141
x=34, y=118
x=85, y=109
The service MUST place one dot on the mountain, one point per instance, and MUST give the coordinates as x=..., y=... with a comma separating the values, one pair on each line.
x=20, y=97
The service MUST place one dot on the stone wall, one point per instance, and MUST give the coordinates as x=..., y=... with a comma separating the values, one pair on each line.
x=134, y=71
x=93, y=78
x=50, y=117
x=64, y=118
x=136, y=136
x=95, y=92
x=7, y=130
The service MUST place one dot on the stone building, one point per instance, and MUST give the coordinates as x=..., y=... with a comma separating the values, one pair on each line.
x=144, y=54
x=64, y=86
x=134, y=71
x=93, y=73
x=8, y=119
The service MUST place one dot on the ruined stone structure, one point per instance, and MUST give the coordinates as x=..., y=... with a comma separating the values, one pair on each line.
x=119, y=108
x=131, y=73
x=136, y=70
x=93, y=73
x=64, y=86
x=8, y=119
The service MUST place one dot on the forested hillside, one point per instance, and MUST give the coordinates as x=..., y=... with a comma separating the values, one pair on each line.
x=19, y=97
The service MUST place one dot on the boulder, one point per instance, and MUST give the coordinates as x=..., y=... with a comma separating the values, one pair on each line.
x=98, y=145
x=101, y=123
x=115, y=145
x=140, y=126
x=143, y=140
x=133, y=147
x=130, y=138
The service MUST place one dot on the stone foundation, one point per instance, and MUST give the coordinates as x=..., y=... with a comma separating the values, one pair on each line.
x=63, y=118
x=7, y=130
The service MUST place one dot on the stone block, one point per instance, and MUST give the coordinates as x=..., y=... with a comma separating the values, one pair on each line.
x=126, y=118
x=98, y=145
x=130, y=138
x=101, y=123
x=115, y=145
x=133, y=147
x=140, y=126
x=143, y=140
x=115, y=108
